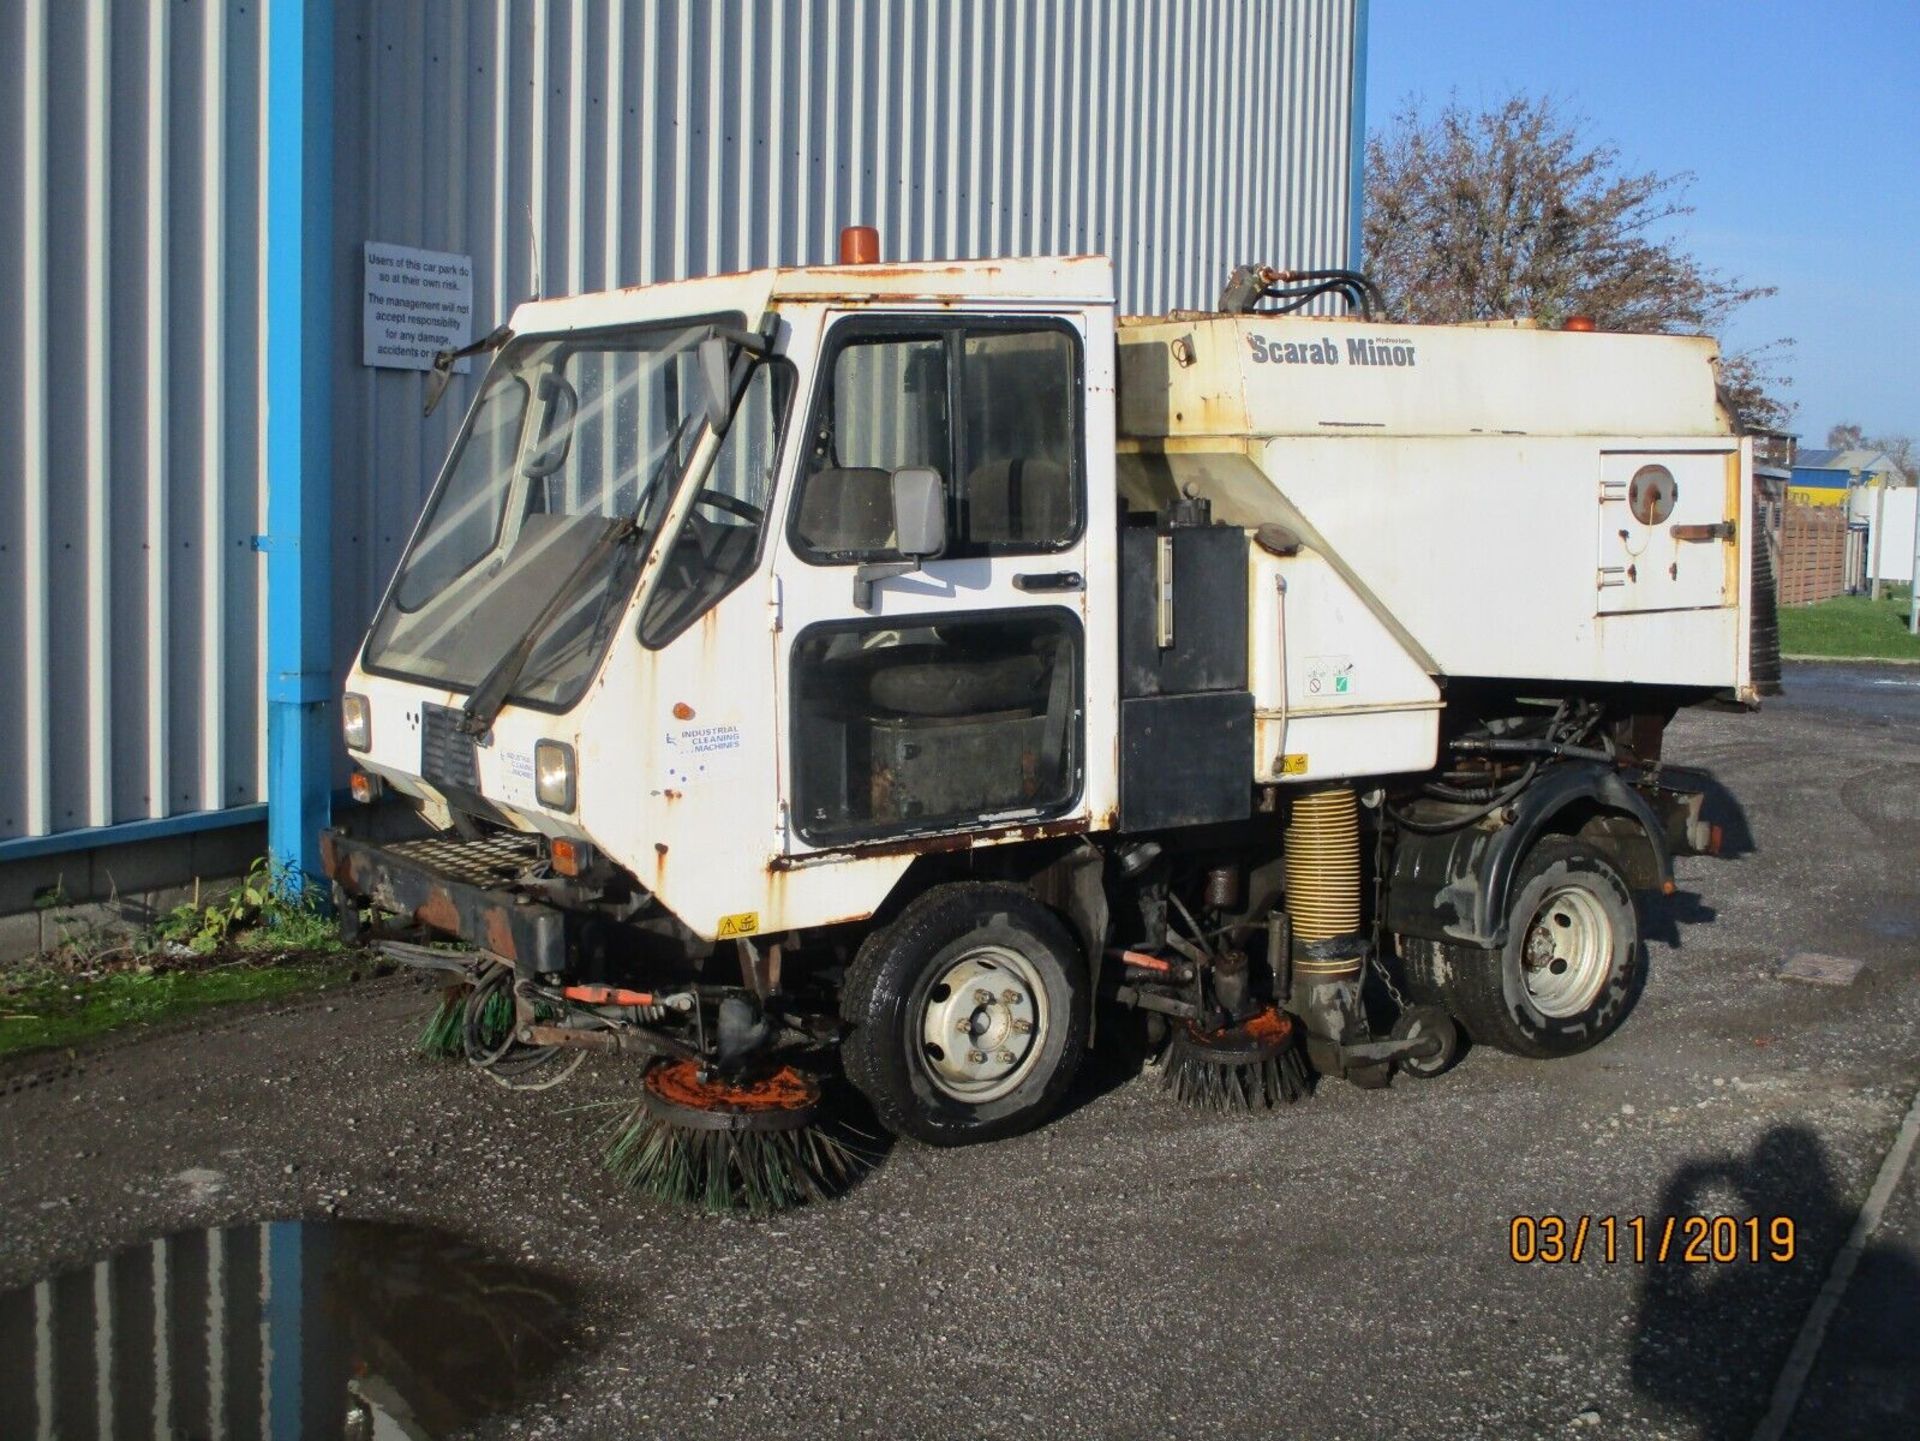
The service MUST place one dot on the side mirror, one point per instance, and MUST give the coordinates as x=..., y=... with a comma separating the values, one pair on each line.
x=437, y=381
x=919, y=529
x=919, y=512
x=716, y=382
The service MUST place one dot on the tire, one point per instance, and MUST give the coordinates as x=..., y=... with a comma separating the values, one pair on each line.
x=924, y=976
x=1569, y=906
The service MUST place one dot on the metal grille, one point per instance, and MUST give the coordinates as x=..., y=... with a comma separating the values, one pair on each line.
x=446, y=752
x=490, y=862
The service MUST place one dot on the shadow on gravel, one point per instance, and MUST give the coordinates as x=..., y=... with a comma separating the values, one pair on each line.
x=1715, y=1324
x=1722, y=808
x=284, y=1329
x=1118, y=1056
x=1661, y=917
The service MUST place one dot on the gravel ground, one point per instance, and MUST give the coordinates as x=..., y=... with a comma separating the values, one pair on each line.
x=1340, y=1269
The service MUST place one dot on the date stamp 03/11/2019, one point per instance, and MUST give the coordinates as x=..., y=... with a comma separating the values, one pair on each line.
x=1651, y=1240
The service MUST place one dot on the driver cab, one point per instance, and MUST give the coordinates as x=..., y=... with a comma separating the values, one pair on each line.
x=943, y=690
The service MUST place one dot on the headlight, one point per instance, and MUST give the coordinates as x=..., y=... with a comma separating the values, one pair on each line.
x=553, y=775
x=356, y=722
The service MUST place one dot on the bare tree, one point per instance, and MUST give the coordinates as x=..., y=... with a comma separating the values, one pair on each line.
x=1515, y=212
x=1897, y=448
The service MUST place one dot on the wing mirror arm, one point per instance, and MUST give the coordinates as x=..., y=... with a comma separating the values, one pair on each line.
x=717, y=370
x=919, y=529
x=866, y=575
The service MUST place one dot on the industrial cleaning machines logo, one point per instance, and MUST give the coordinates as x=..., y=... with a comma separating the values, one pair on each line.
x=1361, y=350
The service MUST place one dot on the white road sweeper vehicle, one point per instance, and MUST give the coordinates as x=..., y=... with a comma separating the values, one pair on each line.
x=863, y=670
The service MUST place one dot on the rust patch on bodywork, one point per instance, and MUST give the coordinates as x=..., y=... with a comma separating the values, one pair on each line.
x=936, y=845
x=507, y=923
x=438, y=911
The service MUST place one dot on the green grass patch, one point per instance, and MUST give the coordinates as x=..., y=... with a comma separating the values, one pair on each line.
x=53, y=1007
x=1850, y=627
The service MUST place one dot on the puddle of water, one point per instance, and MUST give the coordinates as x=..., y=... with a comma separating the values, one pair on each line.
x=285, y=1329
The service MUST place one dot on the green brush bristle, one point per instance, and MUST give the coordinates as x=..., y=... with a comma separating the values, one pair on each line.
x=496, y=1017
x=441, y=1037
x=752, y=1171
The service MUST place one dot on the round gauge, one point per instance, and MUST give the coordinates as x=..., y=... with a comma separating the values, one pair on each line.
x=1651, y=494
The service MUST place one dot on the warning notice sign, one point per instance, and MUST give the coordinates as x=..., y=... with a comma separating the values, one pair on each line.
x=417, y=302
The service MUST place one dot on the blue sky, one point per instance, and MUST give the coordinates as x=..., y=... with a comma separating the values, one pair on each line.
x=1800, y=121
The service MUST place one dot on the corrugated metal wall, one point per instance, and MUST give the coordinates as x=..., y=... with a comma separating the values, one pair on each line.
x=589, y=143
x=130, y=480
x=655, y=139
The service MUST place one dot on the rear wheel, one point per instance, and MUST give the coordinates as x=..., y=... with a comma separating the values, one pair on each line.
x=1571, y=969
x=969, y=1015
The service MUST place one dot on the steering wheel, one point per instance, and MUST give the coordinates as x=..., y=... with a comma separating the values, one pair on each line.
x=720, y=500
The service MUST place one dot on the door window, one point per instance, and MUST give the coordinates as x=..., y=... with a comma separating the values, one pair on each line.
x=951, y=721
x=994, y=407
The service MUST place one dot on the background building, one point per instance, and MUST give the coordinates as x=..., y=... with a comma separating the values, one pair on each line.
x=209, y=485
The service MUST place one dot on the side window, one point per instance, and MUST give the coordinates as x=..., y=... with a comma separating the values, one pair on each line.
x=885, y=407
x=994, y=408
x=466, y=521
x=1018, y=441
x=718, y=544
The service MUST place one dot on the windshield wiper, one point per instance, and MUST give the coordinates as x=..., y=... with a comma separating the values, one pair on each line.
x=483, y=706
x=492, y=692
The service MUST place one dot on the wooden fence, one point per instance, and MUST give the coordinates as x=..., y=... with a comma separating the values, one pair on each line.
x=1814, y=542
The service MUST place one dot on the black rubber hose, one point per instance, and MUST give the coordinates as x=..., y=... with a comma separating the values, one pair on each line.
x=1299, y=299
x=1454, y=823
x=1475, y=745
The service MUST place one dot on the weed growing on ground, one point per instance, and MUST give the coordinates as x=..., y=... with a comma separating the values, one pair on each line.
x=271, y=912
x=269, y=935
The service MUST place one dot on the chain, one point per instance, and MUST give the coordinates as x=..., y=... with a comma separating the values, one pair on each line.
x=1380, y=969
x=1382, y=862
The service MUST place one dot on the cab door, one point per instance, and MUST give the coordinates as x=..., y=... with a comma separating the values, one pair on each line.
x=951, y=698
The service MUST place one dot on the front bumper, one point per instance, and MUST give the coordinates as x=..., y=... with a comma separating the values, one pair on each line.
x=458, y=888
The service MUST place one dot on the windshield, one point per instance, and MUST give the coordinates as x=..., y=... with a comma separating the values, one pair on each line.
x=569, y=436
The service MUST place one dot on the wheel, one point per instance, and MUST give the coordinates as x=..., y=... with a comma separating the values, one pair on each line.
x=1570, y=971
x=969, y=1015
x=1424, y=1022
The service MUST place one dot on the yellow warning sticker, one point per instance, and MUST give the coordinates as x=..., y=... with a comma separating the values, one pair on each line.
x=1293, y=765
x=743, y=923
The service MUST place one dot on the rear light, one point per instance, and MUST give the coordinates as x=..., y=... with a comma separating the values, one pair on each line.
x=366, y=789
x=569, y=857
x=1579, y=322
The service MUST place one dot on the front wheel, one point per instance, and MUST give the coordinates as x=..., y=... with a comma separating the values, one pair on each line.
x=1571, y=969
x=969, y=1015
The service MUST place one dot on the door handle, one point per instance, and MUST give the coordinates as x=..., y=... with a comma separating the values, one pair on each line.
x=1051, y=580
x=1720, y=531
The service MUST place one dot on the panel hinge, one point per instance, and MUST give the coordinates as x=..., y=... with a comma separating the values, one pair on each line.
x=776, y=604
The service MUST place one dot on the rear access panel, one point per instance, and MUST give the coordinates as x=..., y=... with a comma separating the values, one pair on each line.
x=1667, y=531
